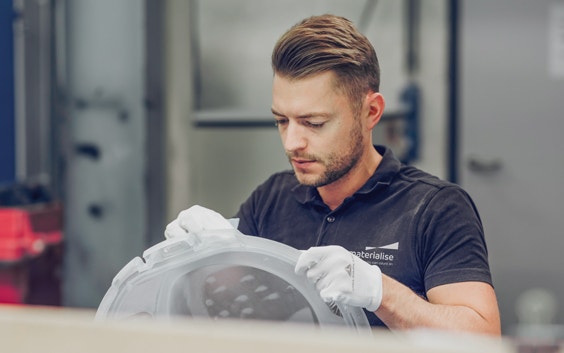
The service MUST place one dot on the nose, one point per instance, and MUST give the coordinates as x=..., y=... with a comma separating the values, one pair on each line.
x=293, y=137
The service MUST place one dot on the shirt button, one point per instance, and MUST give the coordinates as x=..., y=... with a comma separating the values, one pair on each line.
x=330, y=219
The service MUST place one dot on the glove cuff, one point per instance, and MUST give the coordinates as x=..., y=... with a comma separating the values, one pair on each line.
x=376, y=299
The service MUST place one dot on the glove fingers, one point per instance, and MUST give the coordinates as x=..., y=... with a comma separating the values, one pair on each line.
x=174, y=230
x=327, y=257
x=329, y=295
x=338, y=289
x=197, y=219
x=331, y=285
x=339, y=276
x=316, y=275
x=307, y=260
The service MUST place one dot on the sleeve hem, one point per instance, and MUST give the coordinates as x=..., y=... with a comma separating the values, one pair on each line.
x=457, y=276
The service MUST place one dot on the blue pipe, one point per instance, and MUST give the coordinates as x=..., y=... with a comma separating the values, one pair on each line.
x=7, y=97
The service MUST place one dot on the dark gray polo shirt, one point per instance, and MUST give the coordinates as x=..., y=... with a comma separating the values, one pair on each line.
x=418, y=229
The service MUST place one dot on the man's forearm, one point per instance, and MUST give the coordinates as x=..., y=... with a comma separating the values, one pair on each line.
x=401, y=308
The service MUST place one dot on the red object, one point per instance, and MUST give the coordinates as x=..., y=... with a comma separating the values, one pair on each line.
x=13, y=284
x=26, y=233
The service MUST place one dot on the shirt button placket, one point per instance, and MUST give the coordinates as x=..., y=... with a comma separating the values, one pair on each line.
x=325, y=230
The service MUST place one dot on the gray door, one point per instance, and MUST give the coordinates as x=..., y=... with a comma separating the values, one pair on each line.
x=511, y=160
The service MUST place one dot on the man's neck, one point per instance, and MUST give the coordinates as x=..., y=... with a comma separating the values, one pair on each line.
x=335, y=193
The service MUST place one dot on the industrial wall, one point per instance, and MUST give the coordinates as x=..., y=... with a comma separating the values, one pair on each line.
x=132, y=158
x=511, y=116
x=218, y=166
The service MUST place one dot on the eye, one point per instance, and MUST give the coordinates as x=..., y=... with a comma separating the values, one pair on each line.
x=314, y=124
x=280, y=122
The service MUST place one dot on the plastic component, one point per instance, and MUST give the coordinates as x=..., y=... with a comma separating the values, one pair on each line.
x=225, y=275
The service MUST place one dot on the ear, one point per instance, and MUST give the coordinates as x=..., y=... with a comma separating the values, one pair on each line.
x=375, y=104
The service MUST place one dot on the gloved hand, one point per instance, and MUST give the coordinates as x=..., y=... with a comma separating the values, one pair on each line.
x=195, y=220
x=340, y=276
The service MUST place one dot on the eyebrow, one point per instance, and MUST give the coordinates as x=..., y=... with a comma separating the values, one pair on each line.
x=303, y=116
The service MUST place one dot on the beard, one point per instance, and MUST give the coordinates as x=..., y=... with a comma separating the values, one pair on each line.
x=337, y=164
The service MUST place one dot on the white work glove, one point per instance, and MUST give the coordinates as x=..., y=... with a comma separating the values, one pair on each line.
x=340, y=276
x=196, y=220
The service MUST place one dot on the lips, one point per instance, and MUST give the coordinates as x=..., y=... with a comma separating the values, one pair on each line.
x=302, y=163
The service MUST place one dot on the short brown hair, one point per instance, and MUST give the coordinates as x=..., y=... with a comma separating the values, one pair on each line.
x=329, y=43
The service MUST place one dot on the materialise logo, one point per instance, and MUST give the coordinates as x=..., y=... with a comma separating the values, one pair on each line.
x=393, y=246
x=379, y=255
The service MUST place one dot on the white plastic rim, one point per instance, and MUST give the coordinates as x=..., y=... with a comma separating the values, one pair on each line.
x=222, y=274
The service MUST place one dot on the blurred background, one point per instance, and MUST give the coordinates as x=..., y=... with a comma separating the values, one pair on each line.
x=117, y=115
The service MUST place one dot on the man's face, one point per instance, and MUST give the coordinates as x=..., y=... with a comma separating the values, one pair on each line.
x=321, y=136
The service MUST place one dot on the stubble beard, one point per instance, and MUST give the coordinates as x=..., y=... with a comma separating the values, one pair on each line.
x=337, y=165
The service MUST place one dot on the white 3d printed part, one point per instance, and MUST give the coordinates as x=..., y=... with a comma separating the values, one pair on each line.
x=222, y=275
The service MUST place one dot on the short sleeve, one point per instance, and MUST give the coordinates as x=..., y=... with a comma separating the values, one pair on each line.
x=453, y=247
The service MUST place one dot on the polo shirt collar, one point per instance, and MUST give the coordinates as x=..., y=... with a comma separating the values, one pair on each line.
x=387, y=169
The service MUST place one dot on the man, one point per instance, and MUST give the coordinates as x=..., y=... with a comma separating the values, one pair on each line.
x=404, y=245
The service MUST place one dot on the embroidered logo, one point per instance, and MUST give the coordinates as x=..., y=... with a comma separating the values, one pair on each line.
x=379, y=255
x=393, y=246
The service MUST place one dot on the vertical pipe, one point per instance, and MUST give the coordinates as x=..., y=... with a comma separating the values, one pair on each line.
x=7, y=96
x=155, y=164
x=411, y=95
x=452, y=136
x=413, y=26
